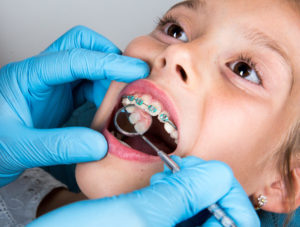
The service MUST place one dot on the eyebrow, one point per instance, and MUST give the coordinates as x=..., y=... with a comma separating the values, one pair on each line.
x=190, y=4
x=259, y=38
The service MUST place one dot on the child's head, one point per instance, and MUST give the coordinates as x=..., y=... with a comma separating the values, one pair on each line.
x=227, y=72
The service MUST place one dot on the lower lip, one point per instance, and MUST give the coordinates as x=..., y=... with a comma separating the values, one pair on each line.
x=121, y=151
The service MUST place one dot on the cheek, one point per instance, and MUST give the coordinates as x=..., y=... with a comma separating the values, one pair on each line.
x=237, y=134
x=145, y=48
x=113, y=176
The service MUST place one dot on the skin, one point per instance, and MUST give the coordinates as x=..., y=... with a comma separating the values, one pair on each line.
x=229, y=118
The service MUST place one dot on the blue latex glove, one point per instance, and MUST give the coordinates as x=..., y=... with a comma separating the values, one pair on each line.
x=170, y=199
x=41, y=92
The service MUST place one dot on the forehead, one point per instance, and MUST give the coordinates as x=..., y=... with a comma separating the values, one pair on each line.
x=280, y=7
x=289, y=9
x=266, y=14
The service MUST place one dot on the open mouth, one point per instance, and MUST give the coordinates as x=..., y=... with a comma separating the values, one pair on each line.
x=148, y=116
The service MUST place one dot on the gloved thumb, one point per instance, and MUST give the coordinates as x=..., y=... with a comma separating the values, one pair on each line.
x=44, y=147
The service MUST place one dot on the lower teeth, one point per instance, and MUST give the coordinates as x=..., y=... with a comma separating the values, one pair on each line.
x=119, y=137
x=122, y=142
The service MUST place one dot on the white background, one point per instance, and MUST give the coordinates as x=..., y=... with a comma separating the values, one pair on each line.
x=29, y=26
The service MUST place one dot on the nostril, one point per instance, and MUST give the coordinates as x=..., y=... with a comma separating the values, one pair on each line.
x=181, y=71
x=164, y=62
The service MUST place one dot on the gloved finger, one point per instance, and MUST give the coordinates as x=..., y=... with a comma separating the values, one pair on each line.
x=44, y=147
x=190, y=161
x=82, y=93
x=68, y=66
x=237, y=205
x=167, y=171
x=85, y=38
x=93, y=91
x=185, y=193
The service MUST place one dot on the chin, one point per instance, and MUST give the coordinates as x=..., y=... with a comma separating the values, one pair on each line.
x=114, y=176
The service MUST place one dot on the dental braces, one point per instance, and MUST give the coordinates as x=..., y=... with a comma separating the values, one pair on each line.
x=163, y=117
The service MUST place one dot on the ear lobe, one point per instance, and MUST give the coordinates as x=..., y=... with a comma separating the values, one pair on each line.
x=277, y=196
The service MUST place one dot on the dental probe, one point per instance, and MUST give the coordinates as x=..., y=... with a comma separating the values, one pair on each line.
x=214, y=209
x=163, y=156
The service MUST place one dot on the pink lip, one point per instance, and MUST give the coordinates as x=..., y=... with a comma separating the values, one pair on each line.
x=118, y=149
x=140, y=87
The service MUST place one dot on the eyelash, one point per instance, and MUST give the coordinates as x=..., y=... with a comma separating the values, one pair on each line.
x=248, y=60
x=162, y=22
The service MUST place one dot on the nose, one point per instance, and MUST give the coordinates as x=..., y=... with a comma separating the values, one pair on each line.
x=176, y=60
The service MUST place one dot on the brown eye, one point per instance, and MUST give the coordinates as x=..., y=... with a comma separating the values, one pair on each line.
x=176, y=32
x=244, y=70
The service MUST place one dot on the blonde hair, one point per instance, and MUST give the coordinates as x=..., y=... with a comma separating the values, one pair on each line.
x=289, y=158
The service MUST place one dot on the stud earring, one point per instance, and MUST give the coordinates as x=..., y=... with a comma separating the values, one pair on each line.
x=261, y=201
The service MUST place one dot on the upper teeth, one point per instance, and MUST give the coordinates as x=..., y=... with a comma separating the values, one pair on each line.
x=152, y=107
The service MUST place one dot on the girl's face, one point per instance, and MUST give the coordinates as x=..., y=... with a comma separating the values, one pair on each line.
x=224, y=72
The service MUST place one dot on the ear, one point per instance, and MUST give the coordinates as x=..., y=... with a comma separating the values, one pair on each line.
x=277, y=195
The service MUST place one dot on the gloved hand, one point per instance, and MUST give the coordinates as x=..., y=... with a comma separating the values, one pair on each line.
x=170, y=199
x=41, y=92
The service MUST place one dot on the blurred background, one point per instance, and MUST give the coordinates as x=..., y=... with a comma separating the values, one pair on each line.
x=28, y=27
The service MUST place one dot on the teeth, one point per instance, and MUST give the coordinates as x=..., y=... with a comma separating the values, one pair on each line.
x=134, y=117
x=140, y=127
x=131, y=99
x=147, y=99
x=138, y=101
x=125, y=102
x=169, y=128
x=122, y=142
x=119, y=136
x=154, y=108
x=144, y=102
x=174, y=135
x=163, y=117
x=130, y=109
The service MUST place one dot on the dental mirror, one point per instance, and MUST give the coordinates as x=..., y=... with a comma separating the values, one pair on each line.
x=124, y=126
x=122, y=123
